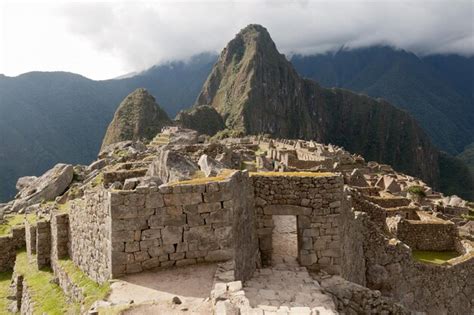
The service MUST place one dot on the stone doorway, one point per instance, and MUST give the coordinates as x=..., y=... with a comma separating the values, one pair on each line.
x=285, y=240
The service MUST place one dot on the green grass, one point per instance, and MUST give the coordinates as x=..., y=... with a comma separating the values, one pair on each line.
x=47, y=296
x=292, y=174
x=432, y=257
x=5, y=278
x=11, y=221
x=91, y=290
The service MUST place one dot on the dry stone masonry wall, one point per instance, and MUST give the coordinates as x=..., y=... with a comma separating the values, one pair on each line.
x=316, y=202
x=90, y=236
x=172, y=225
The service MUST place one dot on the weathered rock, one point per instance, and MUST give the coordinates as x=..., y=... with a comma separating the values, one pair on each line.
x=47, y=187
x=24, y=182
x=172, y=166
x=357, y=179
x=209, y=166
x=204, y=119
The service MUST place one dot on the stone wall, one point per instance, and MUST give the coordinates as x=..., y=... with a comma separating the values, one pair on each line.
x=432, y=236
x=316, y=201
x=352, y=239
x=43, y=244
x=389, y=202
x=8, y=250
x=27, y=304
x=244, y=227
x=89, y=235
x=30, y=238
x=18, y=235
x=59, y=236
x=171, y=225
x=391, y=269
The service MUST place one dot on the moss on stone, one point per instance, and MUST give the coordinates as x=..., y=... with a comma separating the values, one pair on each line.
x=91, y=290
x=292, y=174
x=10, y=222
x=5, y=278
x=47, y=296
x=433, y=257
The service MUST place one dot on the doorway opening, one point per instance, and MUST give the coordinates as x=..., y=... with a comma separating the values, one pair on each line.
x=285, y=240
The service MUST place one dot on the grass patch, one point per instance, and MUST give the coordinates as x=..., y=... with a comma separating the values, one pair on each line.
x=223, y=175
x=92, y=290
x=5, y=278
x=10, y=222
x=432, y=257
x=98, y=180
x=292, y=174
x=47, y=296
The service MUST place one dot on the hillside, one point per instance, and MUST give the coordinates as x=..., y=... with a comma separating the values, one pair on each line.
x=47, y=117
x=436, y=90
x=257, y=90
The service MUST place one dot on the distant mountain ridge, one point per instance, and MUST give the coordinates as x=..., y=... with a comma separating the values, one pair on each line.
x=436, y=90
x=48, y=117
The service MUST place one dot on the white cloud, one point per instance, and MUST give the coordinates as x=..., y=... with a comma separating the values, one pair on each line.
x=130, y=36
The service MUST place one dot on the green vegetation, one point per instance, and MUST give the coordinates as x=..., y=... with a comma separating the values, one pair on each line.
x=92, y=291
x=10, y=222
x=98, y=180
x=223, y=175
x=47, y=296
x=292, y=174
x=469, y=216
x=432, y=257
x=5, y=278
x=417, y=191
x=456, y=179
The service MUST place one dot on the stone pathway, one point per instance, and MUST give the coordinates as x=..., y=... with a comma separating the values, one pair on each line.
x=287, y=288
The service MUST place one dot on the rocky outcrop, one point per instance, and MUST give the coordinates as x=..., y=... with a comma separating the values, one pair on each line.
x=138, y=117
x=256, y=90
x=47, y=187
x=204, y=119
x=171, y=166
x=209, y=166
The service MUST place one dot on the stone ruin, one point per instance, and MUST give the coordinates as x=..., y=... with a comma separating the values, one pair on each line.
x=355, y=231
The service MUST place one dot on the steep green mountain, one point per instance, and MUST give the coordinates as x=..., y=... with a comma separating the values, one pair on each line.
x=467, y=156
x=48, y=117
x=257, y=90
x=204, y=119
x=436, y=90
x=138, y=117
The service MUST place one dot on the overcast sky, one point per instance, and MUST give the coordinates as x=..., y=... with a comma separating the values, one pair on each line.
x=106, y=39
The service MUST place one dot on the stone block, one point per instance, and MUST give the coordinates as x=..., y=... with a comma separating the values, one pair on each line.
x=131, y=247
x=190, y=209
x=220, y=216
x=177, y=256
x=181, y=247
x=123, y=236
x=161, y=250
x=135, y=200
x=287, y=210
x=172, y=234
x=174, y=220
x=308, y=259
x=129, y=224
x=151, y=234
x=151, y=263
x=182, y=199
x=217, y=196
x=154, y=200
x=146, y=244
x=141, y=256
x=194, y=219
x=209, y=207
x=198, y=233
x=123, y=212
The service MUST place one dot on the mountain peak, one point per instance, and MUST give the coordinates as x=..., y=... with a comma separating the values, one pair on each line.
x=138, y=117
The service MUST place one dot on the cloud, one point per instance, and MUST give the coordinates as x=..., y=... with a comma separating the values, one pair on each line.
x=141, y=34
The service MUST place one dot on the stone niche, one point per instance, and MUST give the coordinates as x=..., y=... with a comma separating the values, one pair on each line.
x=316, y=202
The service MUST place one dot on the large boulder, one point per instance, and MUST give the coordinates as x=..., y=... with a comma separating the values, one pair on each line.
x=171, y=166
x=24, y=182
x=45, y=188
x=209, y=166
x=357, y=179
